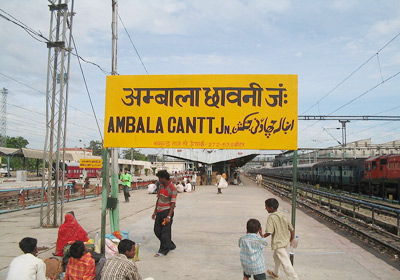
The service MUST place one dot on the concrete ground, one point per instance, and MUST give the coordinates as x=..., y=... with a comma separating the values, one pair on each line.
x=206, y=230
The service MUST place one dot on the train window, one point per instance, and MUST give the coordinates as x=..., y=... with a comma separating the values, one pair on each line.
x=383, y=161
x=373, y=165
x=368, y=167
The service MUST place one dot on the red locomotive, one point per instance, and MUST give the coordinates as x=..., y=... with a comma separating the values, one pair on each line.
x=382, y=168
x=382, y=175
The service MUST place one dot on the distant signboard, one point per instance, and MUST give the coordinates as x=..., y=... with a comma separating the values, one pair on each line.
x=90, y=163
x=201, y=111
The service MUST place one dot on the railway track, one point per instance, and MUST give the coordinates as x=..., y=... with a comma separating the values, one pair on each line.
x=386, y=217
x=379, y=238
x=362, y=197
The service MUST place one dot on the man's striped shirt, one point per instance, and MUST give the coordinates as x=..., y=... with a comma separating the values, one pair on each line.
x=166, y=195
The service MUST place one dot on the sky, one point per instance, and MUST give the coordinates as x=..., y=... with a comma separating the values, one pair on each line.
x=323, y=42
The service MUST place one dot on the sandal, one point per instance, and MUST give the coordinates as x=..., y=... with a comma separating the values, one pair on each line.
x=272, y=274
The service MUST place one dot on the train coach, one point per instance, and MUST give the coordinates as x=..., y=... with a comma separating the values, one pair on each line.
x=345, y=175
x=378, y=176
x=73, y=171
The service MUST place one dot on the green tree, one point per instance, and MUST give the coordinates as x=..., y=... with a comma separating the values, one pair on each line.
x=133, y=154
x=16, y=142
x=18, y=162
x=96, y=147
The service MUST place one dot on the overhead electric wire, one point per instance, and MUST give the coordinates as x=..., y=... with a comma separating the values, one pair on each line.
x=359, y=96
x=34, y=33
x=36, y=133
x=87, y=89
x=352, y=73
x=130, y=39
x=364, y=93
x=42, y=114
x=41, y=125
x=23, y=26
x=43, y=93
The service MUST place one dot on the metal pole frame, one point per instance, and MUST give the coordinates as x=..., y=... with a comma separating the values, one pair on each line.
x=104, y=197
x=294, y=196
x=114, y=213
x=56, y=106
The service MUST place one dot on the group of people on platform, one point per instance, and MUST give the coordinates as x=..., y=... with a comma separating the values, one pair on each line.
x=83, y=264
x=78, y=263
x=184, y=182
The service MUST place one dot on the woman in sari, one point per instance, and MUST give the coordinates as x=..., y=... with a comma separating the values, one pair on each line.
x=69, y=231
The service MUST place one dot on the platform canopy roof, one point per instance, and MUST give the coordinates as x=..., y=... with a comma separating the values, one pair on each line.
x=207, y=156
x=28, y=153
x=4, y=151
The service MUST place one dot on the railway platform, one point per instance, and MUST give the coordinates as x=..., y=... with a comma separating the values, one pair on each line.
x=206, y=230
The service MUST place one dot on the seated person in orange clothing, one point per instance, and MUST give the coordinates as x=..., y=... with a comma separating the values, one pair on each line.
x=81, y=265
x=69, y=231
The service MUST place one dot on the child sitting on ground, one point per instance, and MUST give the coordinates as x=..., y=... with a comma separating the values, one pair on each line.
x=251, y=251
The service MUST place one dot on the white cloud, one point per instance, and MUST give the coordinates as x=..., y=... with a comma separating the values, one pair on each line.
x=390, y=26
x=343, y=5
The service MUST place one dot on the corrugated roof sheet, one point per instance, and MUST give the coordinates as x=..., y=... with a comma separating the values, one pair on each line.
x=208, y=156
x=8, y=151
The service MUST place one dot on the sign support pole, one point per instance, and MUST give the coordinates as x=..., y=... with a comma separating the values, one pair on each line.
x=104, y=196
x=114, y=213
x=294, y=196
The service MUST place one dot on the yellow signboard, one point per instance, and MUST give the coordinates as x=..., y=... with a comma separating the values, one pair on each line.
x=202, y=111
x=90, y=163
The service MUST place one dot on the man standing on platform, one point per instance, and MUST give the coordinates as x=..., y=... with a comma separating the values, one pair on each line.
x=126, y=183
x=164, y=213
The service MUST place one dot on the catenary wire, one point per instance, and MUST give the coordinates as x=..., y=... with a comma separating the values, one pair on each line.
x=352, y=73
x=44, y=94
x=33, y=33
x=133, y=45
x=87, y=89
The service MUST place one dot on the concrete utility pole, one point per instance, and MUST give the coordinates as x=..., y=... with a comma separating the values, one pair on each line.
x=59, y=45
x=114, y=213
x=343, y=122
x=3, y=117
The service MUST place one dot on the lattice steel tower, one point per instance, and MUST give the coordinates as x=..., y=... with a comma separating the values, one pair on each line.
x=59, y=45
x=3, y=117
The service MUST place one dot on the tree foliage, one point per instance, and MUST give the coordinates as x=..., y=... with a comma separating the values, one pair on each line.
x=17, y=163
x=133, y=154
x=96, y=147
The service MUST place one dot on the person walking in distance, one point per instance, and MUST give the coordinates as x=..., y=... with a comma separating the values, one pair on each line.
x=164, y=213
x=259, y=179
x=126, y=183
x=217, y=179
x=282, y=233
